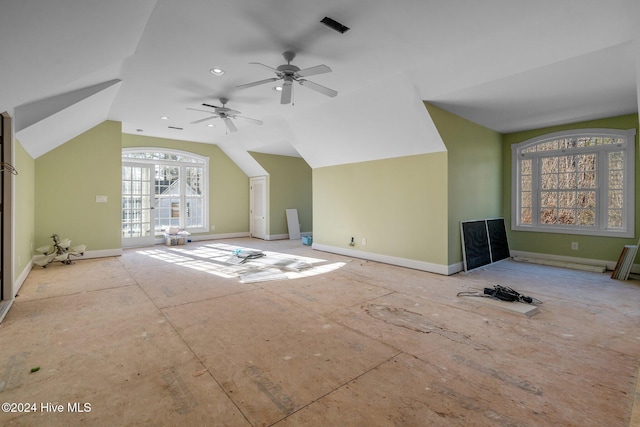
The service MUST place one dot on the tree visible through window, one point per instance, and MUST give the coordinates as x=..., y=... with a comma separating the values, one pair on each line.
x=575, y=182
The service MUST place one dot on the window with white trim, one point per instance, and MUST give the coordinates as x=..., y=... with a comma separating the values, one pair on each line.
x=179, y=187
x=576, y=182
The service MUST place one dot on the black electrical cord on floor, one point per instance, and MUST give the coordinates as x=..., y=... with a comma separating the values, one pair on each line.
x=503, y=293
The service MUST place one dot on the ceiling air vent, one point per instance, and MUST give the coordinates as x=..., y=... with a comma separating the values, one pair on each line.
x=173, y=127
x=335, y=25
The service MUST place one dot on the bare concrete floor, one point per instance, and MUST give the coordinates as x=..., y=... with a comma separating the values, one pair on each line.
x=171, y=336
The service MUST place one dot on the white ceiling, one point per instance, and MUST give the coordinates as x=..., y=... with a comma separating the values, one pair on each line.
x=506, y=64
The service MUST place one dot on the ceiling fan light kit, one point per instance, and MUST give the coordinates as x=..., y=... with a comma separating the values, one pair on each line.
x=290, y=73
x=287, y=73
x=226, y=114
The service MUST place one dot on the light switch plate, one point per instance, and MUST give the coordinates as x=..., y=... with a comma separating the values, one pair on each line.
x=101, y=199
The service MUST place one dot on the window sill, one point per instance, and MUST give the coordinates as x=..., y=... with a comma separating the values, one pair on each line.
x=582, y=231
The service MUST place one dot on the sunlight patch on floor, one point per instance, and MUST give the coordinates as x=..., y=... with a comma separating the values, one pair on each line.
x=218, y=259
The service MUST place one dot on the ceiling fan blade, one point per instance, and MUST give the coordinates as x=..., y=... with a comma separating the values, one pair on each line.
x=287, y=88
x=318, y=88
x=209, y=105
x=259, y=82
x=265, y=66
x=312, y=71
x=255, y=121
x=203, y=120
x=230, y=112
x=232, y=127
x=203, y=111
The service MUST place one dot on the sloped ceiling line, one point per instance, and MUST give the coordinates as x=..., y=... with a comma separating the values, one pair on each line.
x=33, y=112
x=65, y=116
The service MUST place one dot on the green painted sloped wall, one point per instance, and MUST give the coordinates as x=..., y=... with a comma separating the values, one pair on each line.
x=398, y=205
x=290, y=186
x=67, y=181
x=474, y=171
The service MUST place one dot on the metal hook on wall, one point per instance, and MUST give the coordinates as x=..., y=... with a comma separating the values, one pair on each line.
x=4, y=166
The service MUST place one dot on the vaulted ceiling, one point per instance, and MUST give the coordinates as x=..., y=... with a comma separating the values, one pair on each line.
x=68, y=65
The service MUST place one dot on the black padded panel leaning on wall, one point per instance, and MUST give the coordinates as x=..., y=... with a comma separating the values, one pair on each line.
x=483, y=242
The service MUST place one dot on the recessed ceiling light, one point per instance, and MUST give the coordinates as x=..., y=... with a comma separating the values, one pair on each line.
x=277, y=88
x=216, y=71
x=210, y=125
x=164, y=118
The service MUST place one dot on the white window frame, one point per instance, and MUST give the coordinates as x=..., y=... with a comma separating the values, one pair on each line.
x=202, y=161
x=601, y=229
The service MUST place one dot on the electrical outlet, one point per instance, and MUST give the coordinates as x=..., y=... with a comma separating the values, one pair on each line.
x=213, y=227
x=364, y=241
x=574, y=246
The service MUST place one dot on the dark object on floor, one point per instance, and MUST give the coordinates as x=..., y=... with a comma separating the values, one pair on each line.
x=502, y=293
x=506, y=294
x=247, y=255
x=240, y=256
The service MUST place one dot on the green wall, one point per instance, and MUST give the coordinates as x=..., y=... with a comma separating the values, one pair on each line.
x=590, y=247
x=474, y=172
x=228, y=184
x=67, y=181
x=407, y=207
x=290, y=186
x=24, y=224
x=399, y=205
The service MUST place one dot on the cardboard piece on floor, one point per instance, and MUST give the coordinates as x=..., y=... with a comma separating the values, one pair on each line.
x=293, y=224
x=513, y=307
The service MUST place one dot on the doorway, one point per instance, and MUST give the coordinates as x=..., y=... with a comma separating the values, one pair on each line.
x=138, y=220
x=258, y=207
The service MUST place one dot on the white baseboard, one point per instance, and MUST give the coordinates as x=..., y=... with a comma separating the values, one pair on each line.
x=277, y=237
x=100, y=254
x=4, y=307
x=455, y=268
x=22, y=277
x=387, y=259
x=200, y=237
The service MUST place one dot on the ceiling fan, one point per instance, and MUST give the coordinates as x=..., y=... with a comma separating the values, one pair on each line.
x=290, y=73
x=226, y=114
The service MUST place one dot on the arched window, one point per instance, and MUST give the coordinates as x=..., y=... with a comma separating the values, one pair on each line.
x=576, y=182
x=163, y=189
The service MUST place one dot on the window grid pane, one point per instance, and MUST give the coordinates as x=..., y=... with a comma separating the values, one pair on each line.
x=615, y=190
x=167, y=198
x=562, y=199
x=135, y=220
x=526, y=199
